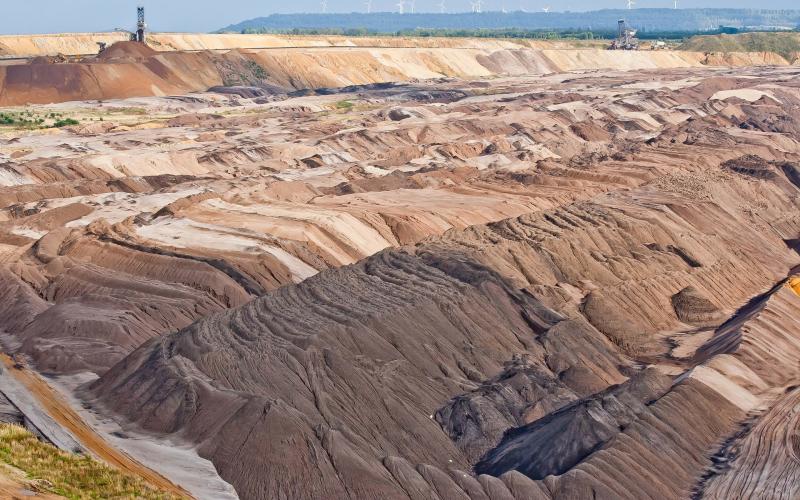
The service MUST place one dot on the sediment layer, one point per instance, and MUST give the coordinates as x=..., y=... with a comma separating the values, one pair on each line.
x=190, y=63
x=516, y=287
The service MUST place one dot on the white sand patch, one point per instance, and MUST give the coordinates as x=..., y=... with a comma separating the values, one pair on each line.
x=580, y=110
x=299, y=269
x=375, y=171
x=654, y=85
x=744, y=94
x=486, y=161
x=9, y=177
x=116, y=207
x=436, y=210
x=149, y=163
x=348, y=228
x=732, y=368
x=186, y=233
x=28, y=232
x=319, y=177
x=725, y=387
x=688, y=343
x=675, y=117
x=539, y=152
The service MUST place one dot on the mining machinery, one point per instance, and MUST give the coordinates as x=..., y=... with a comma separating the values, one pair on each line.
x=626, y=38
x=140, y=35
x=141, y=26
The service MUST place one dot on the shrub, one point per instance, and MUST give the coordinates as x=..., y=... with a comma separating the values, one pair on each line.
x=345, y=105
x=65, y=122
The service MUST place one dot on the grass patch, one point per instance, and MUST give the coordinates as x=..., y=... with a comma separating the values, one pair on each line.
x=72, y=476
x=65, y=123
x=344, y=105
x=126, y=110
x=258, y=72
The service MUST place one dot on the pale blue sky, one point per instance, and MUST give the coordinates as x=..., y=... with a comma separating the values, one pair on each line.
x=51, y=16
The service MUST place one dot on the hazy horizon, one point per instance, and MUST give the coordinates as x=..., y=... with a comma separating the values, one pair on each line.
x=204, y=16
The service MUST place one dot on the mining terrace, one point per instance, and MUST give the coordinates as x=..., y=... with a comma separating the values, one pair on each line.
x=320, y=267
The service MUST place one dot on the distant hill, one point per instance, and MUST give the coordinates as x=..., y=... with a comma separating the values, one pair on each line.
x=644, y=19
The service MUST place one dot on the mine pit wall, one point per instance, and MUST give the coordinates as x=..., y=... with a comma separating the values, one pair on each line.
x=167, y=74
x=183, y=72
x=73, y=44
x=51, y=45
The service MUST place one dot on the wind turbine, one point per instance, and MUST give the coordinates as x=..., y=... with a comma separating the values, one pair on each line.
x=476, y=6
x=368, y=5
x=401, y=5
x=441, y=7
x=413, y=5
x=546, y=9
x=631, y=3
x=675, y=4
x=324, y=4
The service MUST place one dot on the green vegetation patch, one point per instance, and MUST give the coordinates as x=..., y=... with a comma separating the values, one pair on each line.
x=126, y=110
x=72, y=476
x=344, y=105
x=65, y=122
x=28, y=119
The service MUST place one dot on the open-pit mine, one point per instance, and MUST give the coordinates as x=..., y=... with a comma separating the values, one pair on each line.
x=264, y=267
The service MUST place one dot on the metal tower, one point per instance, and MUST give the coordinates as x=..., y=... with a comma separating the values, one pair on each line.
x=626, y=37
x=141, y=26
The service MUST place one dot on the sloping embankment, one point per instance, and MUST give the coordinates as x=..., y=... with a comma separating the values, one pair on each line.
x=42, y=83
x=86, y=43
x=787, y=45
x=132, y=73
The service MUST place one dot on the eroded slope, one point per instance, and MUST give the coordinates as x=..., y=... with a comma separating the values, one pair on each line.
x=128, y=69
x=403, y=290
x=528, y=322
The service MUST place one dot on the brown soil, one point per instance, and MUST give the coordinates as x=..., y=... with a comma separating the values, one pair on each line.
x=127, y=69
x=132, y=51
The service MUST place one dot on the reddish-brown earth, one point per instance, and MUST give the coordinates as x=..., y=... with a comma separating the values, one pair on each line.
x=531, y=287
x=128, y=69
